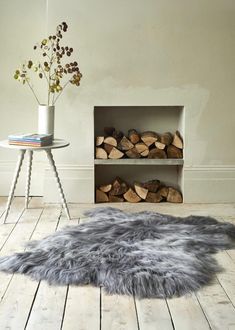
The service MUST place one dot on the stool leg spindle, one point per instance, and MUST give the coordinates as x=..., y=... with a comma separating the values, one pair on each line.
x=14, y=182
x=52, y=162
x=28, y=180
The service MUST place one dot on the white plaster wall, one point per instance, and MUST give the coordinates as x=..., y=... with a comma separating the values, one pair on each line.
x=131, y=52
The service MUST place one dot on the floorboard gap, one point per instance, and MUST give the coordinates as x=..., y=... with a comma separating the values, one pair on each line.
x=225, y=292
x=31, y=307
x=168, y=307
x=136, y=313
x=203, y=311
x=65, y=304
x=100, y=307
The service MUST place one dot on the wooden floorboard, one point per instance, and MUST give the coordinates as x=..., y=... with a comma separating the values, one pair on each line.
x=217, y=307
x=118, y=313
x=47, y=311
x=82, y=309
x=187, y=313
x=41, y=315
x=153, y=314
x=16, y=290
x=3, y=202
x=16, y=210
x=20, y=234
x=32, y=305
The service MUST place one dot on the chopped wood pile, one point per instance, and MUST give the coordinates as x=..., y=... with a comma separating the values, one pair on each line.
x=152, y=191
x=115, y=145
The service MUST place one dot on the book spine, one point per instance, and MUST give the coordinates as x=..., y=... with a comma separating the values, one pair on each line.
x=30, y=141
x=29, y=144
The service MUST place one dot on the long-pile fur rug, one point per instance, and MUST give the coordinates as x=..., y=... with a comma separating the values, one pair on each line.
x=146, y=254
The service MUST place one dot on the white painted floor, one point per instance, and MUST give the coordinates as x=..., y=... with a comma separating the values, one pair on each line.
x=26, y=304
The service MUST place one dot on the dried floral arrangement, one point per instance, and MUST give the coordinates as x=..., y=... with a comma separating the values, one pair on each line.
x=51, y=67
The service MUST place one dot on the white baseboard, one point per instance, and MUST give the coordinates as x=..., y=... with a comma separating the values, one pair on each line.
x=209, y=184
x=77, y=181
x=202, y=184
x=6, y=175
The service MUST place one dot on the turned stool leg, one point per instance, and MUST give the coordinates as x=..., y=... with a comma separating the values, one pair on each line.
x=14, y=182
x=28, y=180
x=52, y=162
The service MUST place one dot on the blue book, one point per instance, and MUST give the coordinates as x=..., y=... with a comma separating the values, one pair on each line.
x=30, y=137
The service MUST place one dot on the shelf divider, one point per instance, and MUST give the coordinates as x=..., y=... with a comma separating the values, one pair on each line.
x=143, y=161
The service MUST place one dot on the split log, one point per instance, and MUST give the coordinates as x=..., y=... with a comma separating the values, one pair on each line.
x=133, y=136
x=125, y=144
x=115, y=199
x=108, y=148
x=174, y=152
x=141, y=147
x=109, y=130
x=119, y=187
x=145, y=153
x=163, y=191
x=131, y=196
x=111, y=141
x=105, y=188
x=118, y=135
x=132, y=153
x=160, y=145
x=153, y=197
x=115, y=154
x=140, y=190
x=101, y=153
x=149, y=137
x=152, y=186
x=157, y=153
x=177, y=140
x=101, y=196
x=99, y=140
x=166, y=138
x=174, y=196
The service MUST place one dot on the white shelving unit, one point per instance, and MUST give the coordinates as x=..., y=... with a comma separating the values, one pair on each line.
x=143, y=118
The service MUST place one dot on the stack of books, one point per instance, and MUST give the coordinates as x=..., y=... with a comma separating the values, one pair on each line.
x=31, y=140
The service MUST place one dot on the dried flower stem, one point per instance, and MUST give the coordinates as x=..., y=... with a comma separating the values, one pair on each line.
x=32, y=91
x=53, y=66
x=53, y=103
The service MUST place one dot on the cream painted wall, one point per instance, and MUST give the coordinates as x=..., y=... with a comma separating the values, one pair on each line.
x=131, y=52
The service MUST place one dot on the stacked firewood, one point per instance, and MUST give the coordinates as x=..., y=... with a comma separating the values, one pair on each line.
x=152, y=191
x=115, y=145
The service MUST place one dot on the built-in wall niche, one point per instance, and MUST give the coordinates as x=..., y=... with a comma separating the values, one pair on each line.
x=143, y=118
x=159, y=119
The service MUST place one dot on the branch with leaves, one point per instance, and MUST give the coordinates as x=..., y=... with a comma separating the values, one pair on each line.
x=51, y=66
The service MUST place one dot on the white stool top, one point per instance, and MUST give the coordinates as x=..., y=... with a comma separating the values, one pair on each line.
x=57, y=143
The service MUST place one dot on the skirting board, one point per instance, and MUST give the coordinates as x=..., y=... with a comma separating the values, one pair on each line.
x=202, y=184
x=77, y=182
x=6, y=175
x=207, y=184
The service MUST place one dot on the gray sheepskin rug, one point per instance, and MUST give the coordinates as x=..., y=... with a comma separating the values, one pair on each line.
x=143, y=254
